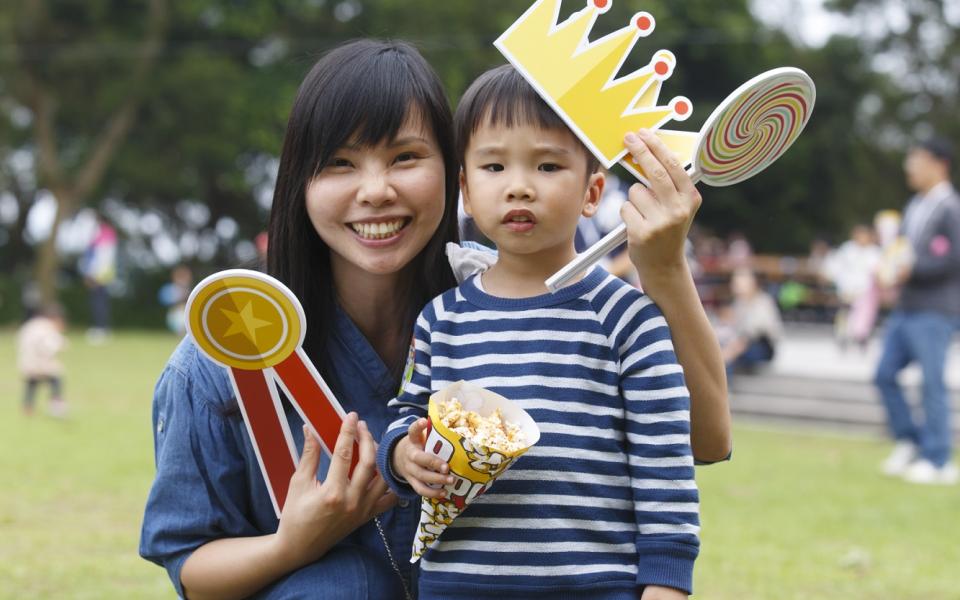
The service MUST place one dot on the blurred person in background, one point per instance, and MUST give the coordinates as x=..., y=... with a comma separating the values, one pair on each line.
x=40, y=341
x=921, y=326
x=851, y=268
x=98, y=266
x=752, y=326
x=173, y=295
x=261, y=243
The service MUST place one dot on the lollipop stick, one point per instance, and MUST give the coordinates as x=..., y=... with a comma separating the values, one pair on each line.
x=594, y=253
x=587, y=258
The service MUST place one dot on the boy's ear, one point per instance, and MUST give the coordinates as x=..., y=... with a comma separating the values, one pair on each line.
x=591, y=197
x=464, y=195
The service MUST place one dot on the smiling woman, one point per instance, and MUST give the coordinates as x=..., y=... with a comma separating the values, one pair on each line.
x=364, y=204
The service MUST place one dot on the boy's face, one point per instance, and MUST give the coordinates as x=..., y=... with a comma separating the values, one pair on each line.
x=527, y=187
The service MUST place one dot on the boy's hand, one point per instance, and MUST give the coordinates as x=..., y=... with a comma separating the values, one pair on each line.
x=419, y=468
x=658, y=218
x=656, y=592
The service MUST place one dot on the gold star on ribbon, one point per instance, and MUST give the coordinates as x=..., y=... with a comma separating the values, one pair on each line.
x=244, y=323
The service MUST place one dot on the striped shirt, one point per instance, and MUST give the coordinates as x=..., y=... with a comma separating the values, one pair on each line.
x=606, y=501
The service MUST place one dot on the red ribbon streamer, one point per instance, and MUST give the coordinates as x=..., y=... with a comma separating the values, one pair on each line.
x=266, y=422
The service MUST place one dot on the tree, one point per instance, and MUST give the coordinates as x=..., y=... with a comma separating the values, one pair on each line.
x=65, y=99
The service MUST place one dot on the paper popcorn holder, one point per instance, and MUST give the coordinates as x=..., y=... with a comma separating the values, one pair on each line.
x=473, y=466
x=254, y=326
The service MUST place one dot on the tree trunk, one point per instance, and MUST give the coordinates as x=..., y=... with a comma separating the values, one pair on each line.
x=71, y=192
x=48, y=261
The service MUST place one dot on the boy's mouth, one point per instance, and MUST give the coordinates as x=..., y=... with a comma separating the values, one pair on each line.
x=519, y=221
x=380, y=229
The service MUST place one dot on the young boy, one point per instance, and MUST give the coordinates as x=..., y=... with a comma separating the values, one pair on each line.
x=605, y=505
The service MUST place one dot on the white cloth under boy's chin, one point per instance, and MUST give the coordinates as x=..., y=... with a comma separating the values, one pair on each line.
x=467, y=261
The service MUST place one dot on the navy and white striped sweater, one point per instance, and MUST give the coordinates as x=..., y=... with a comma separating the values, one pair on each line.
x=606, y=501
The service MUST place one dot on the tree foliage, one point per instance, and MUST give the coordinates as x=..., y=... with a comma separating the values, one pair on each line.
x=196, y=117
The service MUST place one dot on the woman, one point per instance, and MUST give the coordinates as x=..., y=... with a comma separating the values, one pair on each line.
x=364, y=204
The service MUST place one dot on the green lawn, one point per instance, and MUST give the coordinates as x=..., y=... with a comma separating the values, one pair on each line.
x=794, y=516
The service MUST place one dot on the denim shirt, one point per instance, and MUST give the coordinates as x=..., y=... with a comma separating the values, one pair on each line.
x=209, y=486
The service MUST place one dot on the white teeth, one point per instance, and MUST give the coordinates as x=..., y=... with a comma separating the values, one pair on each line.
x=376, y=231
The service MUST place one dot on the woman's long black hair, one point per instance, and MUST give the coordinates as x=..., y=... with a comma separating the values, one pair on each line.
x=363, y=90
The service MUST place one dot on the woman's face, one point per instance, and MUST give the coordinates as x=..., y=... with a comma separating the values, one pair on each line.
x=376, y=207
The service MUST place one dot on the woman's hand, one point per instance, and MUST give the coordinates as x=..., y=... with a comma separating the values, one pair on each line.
x=658, y=218
x=317, y=515
x=420, y=469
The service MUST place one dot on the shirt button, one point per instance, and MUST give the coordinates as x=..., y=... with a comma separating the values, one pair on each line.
x=404, y=503
x=160, y=426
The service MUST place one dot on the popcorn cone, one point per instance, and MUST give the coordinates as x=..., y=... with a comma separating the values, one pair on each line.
x=474, y=467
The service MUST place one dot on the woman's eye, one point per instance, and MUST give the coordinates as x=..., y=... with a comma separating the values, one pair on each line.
x=493, y=167
x=550, y=167
x=405, y=157
x=339, y=162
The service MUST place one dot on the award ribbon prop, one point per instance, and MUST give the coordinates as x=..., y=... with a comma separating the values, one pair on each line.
x=253, y=326
x=750, y=130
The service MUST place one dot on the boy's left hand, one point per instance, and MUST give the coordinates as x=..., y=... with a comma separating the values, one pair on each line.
x=656, y=592
x=658, y=218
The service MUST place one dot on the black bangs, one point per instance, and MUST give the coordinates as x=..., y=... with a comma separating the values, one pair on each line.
x=501, y=97
x=377, y=87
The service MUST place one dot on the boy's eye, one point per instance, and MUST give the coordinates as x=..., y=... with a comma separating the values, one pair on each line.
x=550, y=167
x=492, y=167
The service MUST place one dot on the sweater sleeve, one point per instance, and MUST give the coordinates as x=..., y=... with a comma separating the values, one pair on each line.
x=411, y=404
x=657, y=431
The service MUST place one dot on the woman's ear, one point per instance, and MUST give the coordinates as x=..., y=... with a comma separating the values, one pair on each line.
x=464, y=195
x=591, y=197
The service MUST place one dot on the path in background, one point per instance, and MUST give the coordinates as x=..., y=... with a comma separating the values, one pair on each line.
x=812, y=381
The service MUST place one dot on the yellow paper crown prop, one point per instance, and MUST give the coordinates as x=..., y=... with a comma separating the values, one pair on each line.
x=578, y=78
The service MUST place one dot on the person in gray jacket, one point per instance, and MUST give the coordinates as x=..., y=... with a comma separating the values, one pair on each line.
x=921, y=326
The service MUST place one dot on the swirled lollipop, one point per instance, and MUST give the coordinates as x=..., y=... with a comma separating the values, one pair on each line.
x=751, y=129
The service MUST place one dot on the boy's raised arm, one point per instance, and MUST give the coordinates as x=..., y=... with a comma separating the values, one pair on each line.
x=657, y=432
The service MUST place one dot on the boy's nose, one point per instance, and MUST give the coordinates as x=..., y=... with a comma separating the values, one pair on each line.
x=519, y=189
x=375, y=190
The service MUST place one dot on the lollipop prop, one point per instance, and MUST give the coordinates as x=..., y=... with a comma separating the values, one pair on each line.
x=253, y=325
x=750, y=130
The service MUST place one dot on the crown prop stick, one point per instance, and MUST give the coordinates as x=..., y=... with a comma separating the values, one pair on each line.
x=253, y=325
x=750, y=130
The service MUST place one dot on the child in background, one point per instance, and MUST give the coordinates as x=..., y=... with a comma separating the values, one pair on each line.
x=851, y=268
x=605, y=505
x=39, y=343
x=173, y=295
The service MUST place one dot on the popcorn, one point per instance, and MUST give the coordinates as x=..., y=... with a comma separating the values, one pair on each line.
x=477, y=448
x=492, y=432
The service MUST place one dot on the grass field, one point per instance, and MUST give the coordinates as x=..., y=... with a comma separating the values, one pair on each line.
x=794, y=516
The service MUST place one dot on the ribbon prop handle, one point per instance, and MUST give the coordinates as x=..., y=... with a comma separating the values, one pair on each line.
x=254, y=326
